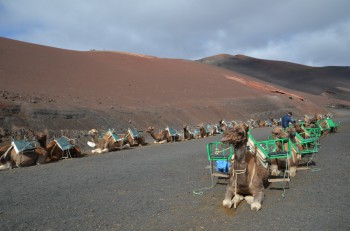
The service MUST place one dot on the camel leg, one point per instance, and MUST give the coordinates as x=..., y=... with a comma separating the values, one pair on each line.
x=97, y=150
x=41, y=159
x=292, y=168
x=227, y=202
x=258, y=198
x=293, y=171
x=126, y=146
x=5, y=166
x=274, y=170
x=236, y=199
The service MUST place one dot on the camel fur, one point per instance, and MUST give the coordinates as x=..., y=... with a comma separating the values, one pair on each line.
x=10, y=158
x=188, y=135
x=279, y=133
x=107, y=143
x=56, y=153
x=134, y=141
x=161, y=137
x=202, y=131
x=247, y=174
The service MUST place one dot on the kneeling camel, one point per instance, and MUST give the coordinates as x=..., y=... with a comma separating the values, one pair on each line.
x=247, y=174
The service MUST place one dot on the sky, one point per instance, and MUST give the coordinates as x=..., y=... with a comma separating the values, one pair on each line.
x=310, y=32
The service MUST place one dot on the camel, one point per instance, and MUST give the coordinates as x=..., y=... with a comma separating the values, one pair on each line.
x=188, y=135
x=172, y=134
x=162, y=137
x=134, y=137
x=262, y=123
x=274, y=122
x=23, y=153
x=214, y=129
x=62, y=148
x=247, y=174
x=223, y=126
x=252, y=123
x=279, y=133
x=203, y=131
x=108, y=143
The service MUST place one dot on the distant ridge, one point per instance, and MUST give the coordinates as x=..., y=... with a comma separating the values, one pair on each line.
x=331, y=80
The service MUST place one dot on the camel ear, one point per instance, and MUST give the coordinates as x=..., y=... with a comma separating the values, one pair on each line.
x=246, y=127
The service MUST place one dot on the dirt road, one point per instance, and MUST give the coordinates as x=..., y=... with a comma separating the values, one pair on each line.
x=151, y=188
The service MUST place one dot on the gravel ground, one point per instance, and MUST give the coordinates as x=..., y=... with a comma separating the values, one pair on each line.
x=151, y=188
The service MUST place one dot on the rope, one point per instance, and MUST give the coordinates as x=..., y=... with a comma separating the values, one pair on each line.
x=237, y=172
x=217, y=151
x=200, y=191
x=312, y=169
x=284, y=177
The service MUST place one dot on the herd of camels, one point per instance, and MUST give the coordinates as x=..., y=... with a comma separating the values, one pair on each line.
x=248, y=173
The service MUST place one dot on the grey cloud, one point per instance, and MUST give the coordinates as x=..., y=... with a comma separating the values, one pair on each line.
x=309, y=32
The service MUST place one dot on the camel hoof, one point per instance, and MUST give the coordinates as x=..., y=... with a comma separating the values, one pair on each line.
x=236, y=199
x=255, y=206
x=249, y=199
x=293, y=171
x=4, y=167
x=227, y=203
x=275, y=172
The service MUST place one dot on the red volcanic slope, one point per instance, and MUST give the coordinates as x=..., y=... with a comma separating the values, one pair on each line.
x=120, y=77
x=104, y=80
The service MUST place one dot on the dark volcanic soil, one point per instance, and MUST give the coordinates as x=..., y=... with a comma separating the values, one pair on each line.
x=151, y=188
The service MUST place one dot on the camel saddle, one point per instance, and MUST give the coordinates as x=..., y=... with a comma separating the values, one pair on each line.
x=134, y=133
x=115, y=136
x=63, y=143
x=172, y=131
x=22, y=146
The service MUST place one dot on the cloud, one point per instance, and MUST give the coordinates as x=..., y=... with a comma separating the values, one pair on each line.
x=309, y=32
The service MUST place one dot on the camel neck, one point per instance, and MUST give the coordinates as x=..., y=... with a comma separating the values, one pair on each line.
x=239, y=156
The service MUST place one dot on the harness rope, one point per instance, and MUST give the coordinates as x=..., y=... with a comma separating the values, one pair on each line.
x=237, y=172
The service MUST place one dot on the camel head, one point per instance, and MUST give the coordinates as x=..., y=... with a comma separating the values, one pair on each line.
x=236, y=135
x=279, y=133
x=150, y=129
x=41, y=138
x=93, y=131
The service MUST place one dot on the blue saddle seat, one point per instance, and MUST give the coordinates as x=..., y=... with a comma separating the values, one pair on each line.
x=172, y=131
x=64, y=143
x=21, y=146
x=134, y=133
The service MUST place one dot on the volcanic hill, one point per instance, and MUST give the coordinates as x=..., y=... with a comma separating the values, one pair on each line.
x=331, y=81
x=49, y=88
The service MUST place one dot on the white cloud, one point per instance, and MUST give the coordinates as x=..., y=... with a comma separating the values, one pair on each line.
x=309, y=32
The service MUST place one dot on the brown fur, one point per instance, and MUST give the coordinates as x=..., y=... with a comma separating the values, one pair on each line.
x=278, y=133
x=187, y=134
x=250, y=183
x=12, y=159
x=138, y=141
x=161, y=137
x=106, y=144
x=202, y=131
x=55, y=153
